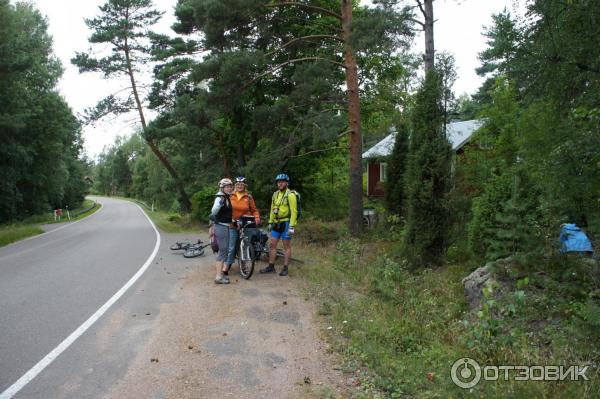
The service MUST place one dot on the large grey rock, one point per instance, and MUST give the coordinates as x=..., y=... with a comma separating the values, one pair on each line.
x=492, y=275
x=474, y=283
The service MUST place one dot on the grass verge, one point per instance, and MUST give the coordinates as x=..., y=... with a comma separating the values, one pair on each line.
x=15, y=232
x=400, y=332
x=169, y=222
x=173, y=223
x=31, y=226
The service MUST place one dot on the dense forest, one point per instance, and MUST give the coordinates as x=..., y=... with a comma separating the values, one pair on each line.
x=247, y=89
x=41, y=167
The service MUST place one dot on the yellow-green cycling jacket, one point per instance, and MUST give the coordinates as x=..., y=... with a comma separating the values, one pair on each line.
x=286, y=202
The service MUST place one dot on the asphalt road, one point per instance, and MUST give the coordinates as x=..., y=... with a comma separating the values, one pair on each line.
x=51, y=284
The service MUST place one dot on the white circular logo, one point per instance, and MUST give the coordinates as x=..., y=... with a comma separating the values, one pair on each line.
x=466, y=373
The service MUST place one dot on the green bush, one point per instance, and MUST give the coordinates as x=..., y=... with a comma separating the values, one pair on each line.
x=323, y=184
x=318, y=232
x=385, y=276
x=175, y=206
x=326, y=205
x=202, y=203
x=485, y=207
x=348, y=253
x=174, y=217
x=506, y=217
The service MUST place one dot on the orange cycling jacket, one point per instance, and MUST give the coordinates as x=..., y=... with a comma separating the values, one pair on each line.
x=243, y=205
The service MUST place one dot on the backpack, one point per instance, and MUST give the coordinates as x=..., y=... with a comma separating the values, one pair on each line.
x=298, y=201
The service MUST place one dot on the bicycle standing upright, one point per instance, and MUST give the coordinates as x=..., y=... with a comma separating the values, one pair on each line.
x=246, y=251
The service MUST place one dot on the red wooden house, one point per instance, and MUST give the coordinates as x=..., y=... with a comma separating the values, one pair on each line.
x=459, y=133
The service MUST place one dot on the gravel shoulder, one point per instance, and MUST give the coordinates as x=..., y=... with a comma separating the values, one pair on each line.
x=253, y=338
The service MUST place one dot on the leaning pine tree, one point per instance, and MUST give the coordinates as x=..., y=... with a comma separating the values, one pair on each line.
x=123, y=28
x=428, y=178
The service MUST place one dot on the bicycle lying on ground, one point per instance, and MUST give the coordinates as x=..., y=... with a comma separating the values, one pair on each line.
x=191, y=249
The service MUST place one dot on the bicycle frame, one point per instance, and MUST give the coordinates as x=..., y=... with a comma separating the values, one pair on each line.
x=245, y=248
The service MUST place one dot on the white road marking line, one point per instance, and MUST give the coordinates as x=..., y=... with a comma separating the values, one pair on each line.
x=50, y=357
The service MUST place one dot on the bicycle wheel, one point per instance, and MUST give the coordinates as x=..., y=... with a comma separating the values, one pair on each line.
x=193, y=252
x=246, y=258
x=179, y=245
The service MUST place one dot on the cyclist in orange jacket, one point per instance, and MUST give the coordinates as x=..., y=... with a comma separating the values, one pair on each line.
x=243, y=205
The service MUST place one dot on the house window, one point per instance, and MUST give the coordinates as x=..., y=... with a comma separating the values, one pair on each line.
x=383, y=171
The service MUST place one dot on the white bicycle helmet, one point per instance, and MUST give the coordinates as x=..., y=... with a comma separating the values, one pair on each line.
x=225, y=182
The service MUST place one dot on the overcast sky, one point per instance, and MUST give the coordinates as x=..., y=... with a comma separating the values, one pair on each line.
x=458, y=30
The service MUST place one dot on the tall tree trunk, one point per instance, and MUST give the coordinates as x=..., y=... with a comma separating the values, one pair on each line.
x=428, y=26
x=355, y=140
x=184, y=199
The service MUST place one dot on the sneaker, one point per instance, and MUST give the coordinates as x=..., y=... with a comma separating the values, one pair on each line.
x=284, y=271
x=221, y=280
x=268, y=269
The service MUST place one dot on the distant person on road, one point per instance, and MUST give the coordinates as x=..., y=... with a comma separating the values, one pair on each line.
x=221, y=215
x=243, y=205
x=282, y=223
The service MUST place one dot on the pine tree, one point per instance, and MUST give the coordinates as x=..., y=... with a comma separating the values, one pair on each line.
x=428, y=178
x=255, y=53
x=514, y=232
x=123, y=25
x=495, y=192
x=395, y=195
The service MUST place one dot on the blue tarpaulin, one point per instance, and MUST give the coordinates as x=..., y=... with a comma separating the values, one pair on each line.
x=573, y=239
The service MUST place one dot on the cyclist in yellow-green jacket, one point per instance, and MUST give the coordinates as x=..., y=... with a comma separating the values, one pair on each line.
x=282, y=223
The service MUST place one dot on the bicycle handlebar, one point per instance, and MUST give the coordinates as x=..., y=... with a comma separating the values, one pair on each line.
x=245, y=221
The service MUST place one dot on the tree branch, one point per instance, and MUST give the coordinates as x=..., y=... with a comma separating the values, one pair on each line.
x=304, y=38
x=275, y=68
x=421, y=8
x=417, y=22
x=321, y=150
x=293, y=3
x=332, y=109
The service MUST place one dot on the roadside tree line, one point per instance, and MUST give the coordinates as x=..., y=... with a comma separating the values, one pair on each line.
x=41, y=167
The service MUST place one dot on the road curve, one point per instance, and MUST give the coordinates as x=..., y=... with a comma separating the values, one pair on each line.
x=52, y=283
